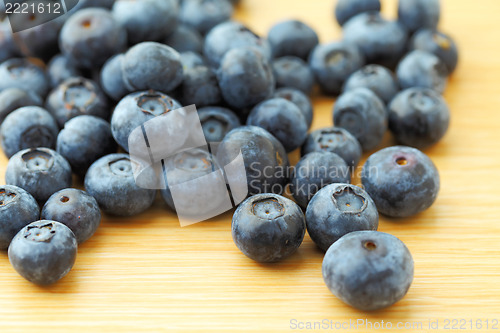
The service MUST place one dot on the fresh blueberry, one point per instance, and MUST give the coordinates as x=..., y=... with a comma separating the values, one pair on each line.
x=422, y=69
x=245, y=78
x=136, y=109
x=230, y=35
x=83, y=140
x=401, y=180
x=8, y=47
x=17, y=209
x=438, y=43
x=346, y=9
x=146, y=20
x=292, y=38
x=75, y=209
x=40, y=171
x=43, y=252
x=381, y=41
x=28, y=127
x=185, y=39
x=338, y=209
x=217, y=122
x=24, y=74
x=265, y=158
x=268, y=227
x=110, y=180
x=283, y=119
x=93, y=3
x=191, y=59
x=111, y=78
x=293, y=72
x=368, y=270
x=60, y=68
x=335, y=140
x=152, y=65
x=203, y=15
x=333, y=63
x=91, y=36
x=363, y=114
x=200, y=87
x=418, y=117
x=417, y=14
x=315, y=171
x=377, y=78
x=12, y=99
x=75, y=97
x=298, y=98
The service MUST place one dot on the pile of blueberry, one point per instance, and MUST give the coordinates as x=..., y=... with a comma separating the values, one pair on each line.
x=72, y=90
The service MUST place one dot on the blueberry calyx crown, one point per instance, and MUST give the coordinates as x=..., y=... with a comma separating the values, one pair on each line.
x=40, y=232
x=79, y=94
x=121, y=167
x=193, y=161
x=268, y=208
x=154, y=103
x=348, y=201
x=6, y=197
x=326, y=137
x=38, y=160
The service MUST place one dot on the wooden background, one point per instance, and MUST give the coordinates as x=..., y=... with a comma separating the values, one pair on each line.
x=148, y=274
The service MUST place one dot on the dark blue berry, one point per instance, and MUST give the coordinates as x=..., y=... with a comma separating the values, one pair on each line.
x=268, y=227
x=368, y=270
x=43, y=252
x=438, y=43
x=111, y=78
x=402, y=181
x=110, y=180
x=75, y=209
x=315, y=171
x=17, y=209
x=24, y=74
x=417, y=14
x=185, y=39
x=337, y=210
x=93, y=3
x=363, y=114
x=298, y=98
x=217, y=122
x=191, y=59
x=292, y=38
x=12, y=99
x=293, y=72
x=203, y=15
x=422, y=69
x=346, y=9
x=60, y=68
x=377, y=78
x=200, y=87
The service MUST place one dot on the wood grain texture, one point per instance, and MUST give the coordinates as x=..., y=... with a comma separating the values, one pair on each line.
x=148, y=274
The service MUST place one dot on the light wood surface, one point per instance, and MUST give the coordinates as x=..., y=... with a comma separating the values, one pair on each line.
x=149, y=274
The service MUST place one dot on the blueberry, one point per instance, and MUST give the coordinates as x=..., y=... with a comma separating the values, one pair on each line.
x=17, y=209
x=200, y=87
x=335, y=140
x=265, y=158
x=438, y=43
x=268, y=227
x=40, y=171
x=43, y=252
x=230, y=35
x=136, y=109
x=217, y=122
x=91, y=36
x=381, y=41
x=12, y=99
x=191, y=59
x=368, y=270
x=417, y=14
x=60, y=68
x=151, y=65
x=8, y=47
x=28, y=127
x=75, y=97
x=93, y=3
x=245, y=78
x=346, y=9
x=203, y=15
x=24, y=74
x=377, y=78
x=75, y=209
x=111, y=78
x=418, y=117
x=185, y=39
x=110, y=180
x=293, y=72
x=283, y=119
x=292, y=38
x=363, y=114
x=402, y=181
x=333, y=63
x=338, y=209
x=83, y=140
x=315, y=171
x=422, y=69
x=298, y=98
x=146, y=20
